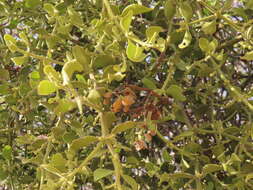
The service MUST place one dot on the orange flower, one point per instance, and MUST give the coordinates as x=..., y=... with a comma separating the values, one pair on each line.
x=128, y=100
x=117, y=105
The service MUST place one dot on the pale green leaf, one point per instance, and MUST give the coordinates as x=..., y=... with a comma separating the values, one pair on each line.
x=10, y=42
x=58, y=161
x=186, y=41
x=50, y=9
x=136, y=8
x=64, y=105
x=7, y=152
x=185, y=163
x=82, y=142
x=46, y=87
x=210, y=168
x=166, y=156
x=185, y=10
x=101, y=173
x=51, y=73
x=24, y=38
x=19, y=60
x=75, y=17
x=125, y=21
x=149, y=83
x=176, y=92
x=4, y=74
x=82, y=57
x=32, y=3
x=51, y=169
x=209, y=27
x=183, y=135
x=68, y=70
x=131, y=181
x=204, y=44
x=123, y=127
x=169, y=9
x=94, y=96
x=135, y=52
x=248, y=56
x=152, y=33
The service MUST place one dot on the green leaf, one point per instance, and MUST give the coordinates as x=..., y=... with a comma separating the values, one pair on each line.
x=52, y=41
x=123, y=127
x=19, y=60
x=204, y=44
x=248, y=56
x=166, y=156
x=9, y=39
x=32, y=3
x=51, y=169
x=249, y=4
x=185, y=10
x=4, y=89
x=58, y=162
x=176, y=92
x=131, y=181
x=209, y=27
x=79, y=103
x=183, y=135
x=132, y=160
x=81, y=55
x=248, y=177
x=185, y=163
x=94, y=96
x=164, y=177
x=149, y=83
x=115, y=76
x=3, y=174
x=210, y=168
x=46, y=87
x=235, y=158
x=213, y=45
x=64, y=105
x=69, y=136
x=4, y=74
x=181, y=175
x=135, y=52
x=7, y=152
x=75, y=17
x=160, y=45
x=10, y=42
x=136, y=8
x=169, y=9
x=110, y=118
x=24, y=38
x=186, y=41
x=34, y=75
x=101, y=61
x=68, y=70
x=152, y=33
x=50, y=9
x=125, y=21
x=101, y=173
x=51, y=73
x=228, y=5
x=82, y=142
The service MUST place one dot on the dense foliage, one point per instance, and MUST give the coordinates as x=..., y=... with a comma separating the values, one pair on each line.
x=137, y=94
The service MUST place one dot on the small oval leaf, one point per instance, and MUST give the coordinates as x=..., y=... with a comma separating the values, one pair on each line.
x=46, y=87
x=101, y=173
